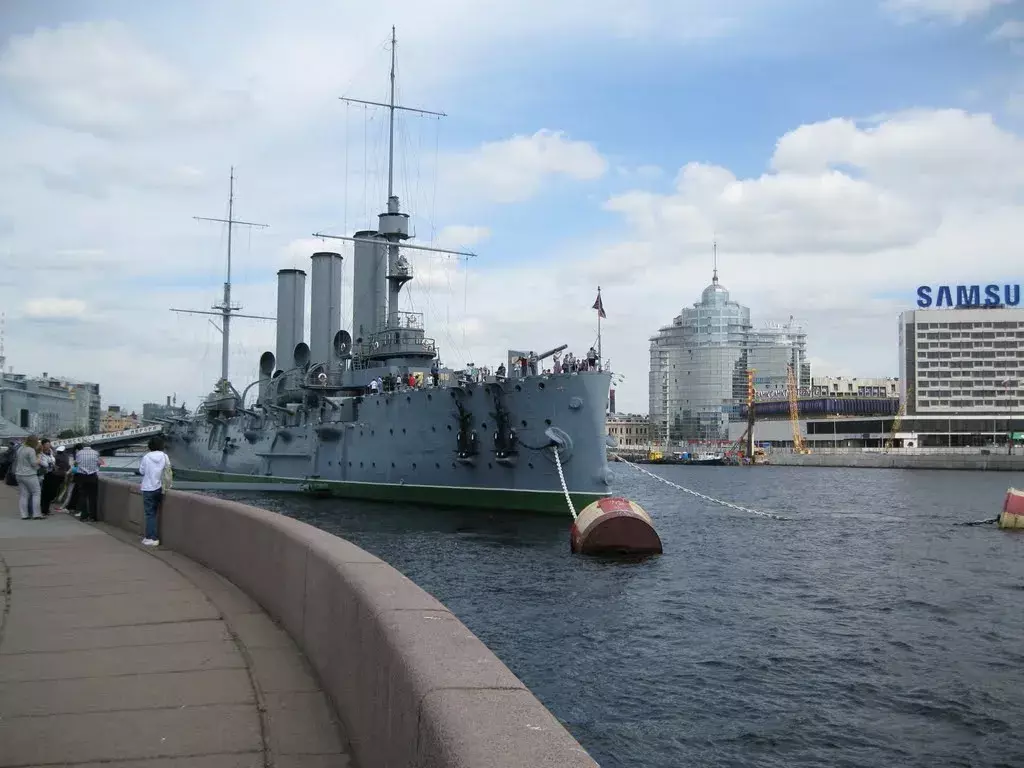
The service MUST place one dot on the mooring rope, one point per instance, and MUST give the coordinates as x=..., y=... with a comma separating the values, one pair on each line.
x=986, y=521
x=699, y=495
x=561, y=479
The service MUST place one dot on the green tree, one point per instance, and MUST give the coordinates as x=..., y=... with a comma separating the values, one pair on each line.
x=69, y=433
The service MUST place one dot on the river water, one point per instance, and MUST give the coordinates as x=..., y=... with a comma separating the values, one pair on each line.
x=868, y=630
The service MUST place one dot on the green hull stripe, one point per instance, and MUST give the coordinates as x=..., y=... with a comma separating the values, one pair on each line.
x=459, y=496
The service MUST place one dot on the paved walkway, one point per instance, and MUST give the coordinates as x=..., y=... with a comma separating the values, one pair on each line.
x=114, y=655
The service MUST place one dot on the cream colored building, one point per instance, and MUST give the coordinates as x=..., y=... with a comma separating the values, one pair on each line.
x=116, y=420
x=629, y=431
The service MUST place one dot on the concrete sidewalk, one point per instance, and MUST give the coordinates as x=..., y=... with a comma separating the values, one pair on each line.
x=111, y=652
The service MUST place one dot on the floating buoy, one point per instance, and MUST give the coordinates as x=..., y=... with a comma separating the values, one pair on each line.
x=1012, y=515
x=614, y=526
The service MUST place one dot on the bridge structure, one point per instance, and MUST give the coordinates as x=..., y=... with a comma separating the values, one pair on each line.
x=108, y=442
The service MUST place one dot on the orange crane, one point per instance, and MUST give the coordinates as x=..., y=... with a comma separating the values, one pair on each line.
x=794, y=413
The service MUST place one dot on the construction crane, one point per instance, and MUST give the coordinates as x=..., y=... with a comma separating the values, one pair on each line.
x=897, y=421
x=794, y=413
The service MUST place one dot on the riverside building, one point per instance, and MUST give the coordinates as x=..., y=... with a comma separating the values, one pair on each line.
x=48, y=405
x=699, y=363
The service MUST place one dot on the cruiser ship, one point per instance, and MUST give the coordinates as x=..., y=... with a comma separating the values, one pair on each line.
x=370, y=413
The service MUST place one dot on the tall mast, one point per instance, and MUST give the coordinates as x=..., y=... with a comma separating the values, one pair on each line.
x=391, y=121
x=393, y=225
x=226, y=309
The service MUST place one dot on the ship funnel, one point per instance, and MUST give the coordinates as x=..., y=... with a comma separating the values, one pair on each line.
x=267, y=362
x=325, y=304
x=301, y=355
x=368, y=274
x=291, y=312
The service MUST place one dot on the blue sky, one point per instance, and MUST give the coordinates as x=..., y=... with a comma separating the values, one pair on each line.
x=560, y=163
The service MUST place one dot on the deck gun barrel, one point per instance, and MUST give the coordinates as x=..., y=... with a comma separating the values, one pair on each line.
x=550, y=352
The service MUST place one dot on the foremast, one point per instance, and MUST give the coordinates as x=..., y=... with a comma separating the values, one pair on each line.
x=226, y=310
x=397, y=335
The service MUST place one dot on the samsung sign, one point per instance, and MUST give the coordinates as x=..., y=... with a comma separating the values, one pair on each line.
x=968, y=296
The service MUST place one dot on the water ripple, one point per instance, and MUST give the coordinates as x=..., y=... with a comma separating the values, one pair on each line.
x=868, y=631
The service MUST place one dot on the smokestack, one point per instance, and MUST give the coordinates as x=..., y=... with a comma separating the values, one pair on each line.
x=324, y=305
x=168, y=401
x=291, y=313
x=368, y=275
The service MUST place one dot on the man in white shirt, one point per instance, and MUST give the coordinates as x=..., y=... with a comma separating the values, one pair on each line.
x=152, y=470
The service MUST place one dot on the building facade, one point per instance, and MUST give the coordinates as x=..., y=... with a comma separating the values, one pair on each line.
x=962, y=361
x=841, y=386
x=629, y=431
x=115, y=419
x=699, y=363
x=159, y=411
x=49, y=405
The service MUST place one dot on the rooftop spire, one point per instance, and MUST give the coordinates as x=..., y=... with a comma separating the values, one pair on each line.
x=714, y=261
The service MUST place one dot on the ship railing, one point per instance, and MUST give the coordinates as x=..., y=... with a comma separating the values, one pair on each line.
x=324, y=379
x=396, y=343
x=412, y=320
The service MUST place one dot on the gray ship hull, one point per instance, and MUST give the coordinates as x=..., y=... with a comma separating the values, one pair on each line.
x=404, y=446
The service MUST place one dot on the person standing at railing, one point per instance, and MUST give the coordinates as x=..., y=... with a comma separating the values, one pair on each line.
x=87, y=478
x=155, y=470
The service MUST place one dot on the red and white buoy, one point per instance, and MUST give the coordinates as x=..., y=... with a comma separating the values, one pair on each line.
x=1012, y=515
x=614, y=526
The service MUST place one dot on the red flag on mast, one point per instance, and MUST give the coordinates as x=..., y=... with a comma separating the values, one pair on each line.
x=599, y=305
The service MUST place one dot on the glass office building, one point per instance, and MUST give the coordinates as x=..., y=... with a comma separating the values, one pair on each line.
x=698, y=378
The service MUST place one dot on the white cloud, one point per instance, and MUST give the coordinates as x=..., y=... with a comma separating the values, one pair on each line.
x=514, y=170
x=54, y=308
x=849, y=217
x=1011, y=29
x=954, y=11
x=455, y=236
x=98, y=78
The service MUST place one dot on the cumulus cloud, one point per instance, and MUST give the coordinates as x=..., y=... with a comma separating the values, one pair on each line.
x=97, y=77
x=513, y=170
x=1011, y=29
x=848, y=218
x=54, y=308
x=954, y=11
x=461, y=236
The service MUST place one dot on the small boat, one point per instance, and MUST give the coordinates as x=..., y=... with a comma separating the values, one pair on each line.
x=1012, y=515
x=707, y=459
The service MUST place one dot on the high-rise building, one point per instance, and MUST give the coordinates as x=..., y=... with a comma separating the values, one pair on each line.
x=962, y=361
x=699, y=363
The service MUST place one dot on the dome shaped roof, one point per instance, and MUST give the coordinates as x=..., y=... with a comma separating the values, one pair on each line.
x=716, y=293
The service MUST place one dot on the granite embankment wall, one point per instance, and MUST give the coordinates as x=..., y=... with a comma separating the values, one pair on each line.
x=413, y=686
x=906, y=461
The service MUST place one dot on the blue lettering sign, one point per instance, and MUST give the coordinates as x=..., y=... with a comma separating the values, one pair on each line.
x=968, y=296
